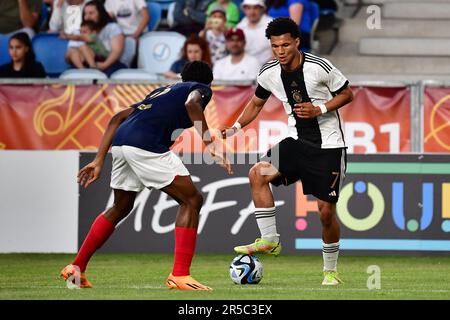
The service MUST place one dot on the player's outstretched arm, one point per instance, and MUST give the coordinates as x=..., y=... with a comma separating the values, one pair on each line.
x=195, y=111
x=91, y=172
x=249, y=114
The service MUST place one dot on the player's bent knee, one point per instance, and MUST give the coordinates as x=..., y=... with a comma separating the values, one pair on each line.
x=195, y=201
x=256, y=173
x=326, y=215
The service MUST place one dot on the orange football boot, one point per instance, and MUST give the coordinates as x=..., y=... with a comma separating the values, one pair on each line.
x=185, y=283
x=78, y=278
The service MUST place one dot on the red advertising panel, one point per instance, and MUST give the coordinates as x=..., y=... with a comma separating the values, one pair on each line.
x=378, y=120
x=75, y=117
x=436, y=119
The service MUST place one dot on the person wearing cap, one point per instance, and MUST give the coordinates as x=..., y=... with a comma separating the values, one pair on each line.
x=254, y=26
x=231, y=10
x=214, y=33
x=238, y=65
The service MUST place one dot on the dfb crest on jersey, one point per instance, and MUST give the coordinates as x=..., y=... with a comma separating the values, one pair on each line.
x=296, y=95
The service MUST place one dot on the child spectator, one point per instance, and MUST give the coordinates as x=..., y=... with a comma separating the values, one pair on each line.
x=231, y=9
x=92, y=51
x=214, y=33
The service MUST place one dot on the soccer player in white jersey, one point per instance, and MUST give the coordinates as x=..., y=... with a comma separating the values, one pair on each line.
x=311, y=90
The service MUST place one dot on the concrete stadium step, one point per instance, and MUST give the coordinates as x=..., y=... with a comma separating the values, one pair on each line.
x=391, y=65
x=416, y=10
x=405, y=46
x=352, y=30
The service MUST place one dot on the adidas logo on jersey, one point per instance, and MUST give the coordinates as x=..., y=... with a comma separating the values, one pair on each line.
x=294, y=84
x=332, y=193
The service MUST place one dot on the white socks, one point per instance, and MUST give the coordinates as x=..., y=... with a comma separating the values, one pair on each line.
x=265, y=217
x=330, y=253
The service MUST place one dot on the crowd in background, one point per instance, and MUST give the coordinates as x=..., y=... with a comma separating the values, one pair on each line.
x=104, y=35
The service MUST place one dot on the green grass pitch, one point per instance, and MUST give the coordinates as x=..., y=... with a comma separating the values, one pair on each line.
x=141, y=276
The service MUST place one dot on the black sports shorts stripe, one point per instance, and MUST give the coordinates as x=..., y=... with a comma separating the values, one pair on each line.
x=320, y=170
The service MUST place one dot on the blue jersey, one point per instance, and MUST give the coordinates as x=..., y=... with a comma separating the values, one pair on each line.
x=160, y=118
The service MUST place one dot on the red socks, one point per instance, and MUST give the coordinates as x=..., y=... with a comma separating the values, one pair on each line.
x=102, y=228
x=185, y=239
x=100, y=231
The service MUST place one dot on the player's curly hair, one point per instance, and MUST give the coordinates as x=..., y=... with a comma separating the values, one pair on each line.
x=282, y=25
x=197, y=71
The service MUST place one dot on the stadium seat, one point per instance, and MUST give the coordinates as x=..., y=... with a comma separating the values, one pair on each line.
x=159, y=49
x=133, y=74
x=4, y=54
x=155, y=11
x=50, y=51
x=81, y=74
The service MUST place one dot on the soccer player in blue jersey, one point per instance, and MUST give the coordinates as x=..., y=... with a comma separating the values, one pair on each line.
x=140, y=137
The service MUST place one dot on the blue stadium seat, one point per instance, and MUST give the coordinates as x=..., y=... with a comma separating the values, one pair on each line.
x=4, y=54
x=159, y=49
x=50, y=51
x=81, y=74
x=154, y=11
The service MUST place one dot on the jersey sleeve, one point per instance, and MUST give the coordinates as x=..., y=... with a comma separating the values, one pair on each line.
x=263, y=83
x=205, y=91
x=335, y=80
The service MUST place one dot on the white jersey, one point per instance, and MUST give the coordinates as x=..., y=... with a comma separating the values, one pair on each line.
x=316, y=81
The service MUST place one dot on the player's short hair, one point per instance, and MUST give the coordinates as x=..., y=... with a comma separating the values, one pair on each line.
x=282, y=25
x=197, y=71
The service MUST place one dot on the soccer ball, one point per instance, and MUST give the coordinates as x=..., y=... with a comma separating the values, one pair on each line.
x=246, y=269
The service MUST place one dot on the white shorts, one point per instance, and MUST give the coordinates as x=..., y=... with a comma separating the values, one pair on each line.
x=133, y=169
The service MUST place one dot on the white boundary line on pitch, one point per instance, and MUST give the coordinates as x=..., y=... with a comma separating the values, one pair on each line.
x=249, y=288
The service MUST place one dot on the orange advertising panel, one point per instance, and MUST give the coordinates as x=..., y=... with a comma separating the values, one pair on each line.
x=378, y=120
x=75, y=117
x=436, y=120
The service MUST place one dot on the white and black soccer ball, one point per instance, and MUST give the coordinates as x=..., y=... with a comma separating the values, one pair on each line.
x=246, y=269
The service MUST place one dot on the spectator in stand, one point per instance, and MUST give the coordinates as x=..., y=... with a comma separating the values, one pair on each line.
x=189, y=16
x=238, y=65
x=195, y=48
x=131, y=15
x=92, y=51
x=61, y=14
x=23, y=62
x=109, y=33
x=214, y=33
x=19, y=16
x=67, y=21
x=254, y=26
x=297, y=10
x=232, y=11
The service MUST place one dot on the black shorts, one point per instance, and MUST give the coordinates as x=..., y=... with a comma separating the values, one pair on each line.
x=321, y=171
